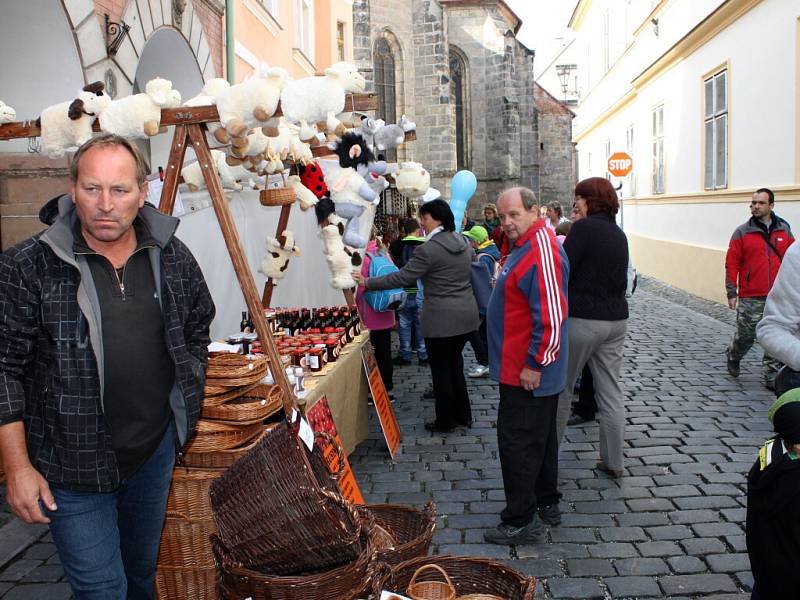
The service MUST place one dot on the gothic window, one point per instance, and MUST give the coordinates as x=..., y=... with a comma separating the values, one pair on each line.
x=458, y=88
x=385, y=86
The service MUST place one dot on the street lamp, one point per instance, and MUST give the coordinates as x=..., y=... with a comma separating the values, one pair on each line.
x=563, y=72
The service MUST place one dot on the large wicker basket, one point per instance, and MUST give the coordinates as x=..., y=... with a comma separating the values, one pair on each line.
x=197, y=583
x=234, y=370
x=278, y=509
x=469, y=576
x=215, y=395
x=186, y=543
x=345, y=582
x=410, y=529
x=258, y=403
x=188, y=493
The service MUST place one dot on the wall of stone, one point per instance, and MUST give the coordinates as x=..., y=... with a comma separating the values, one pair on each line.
x=557, y=175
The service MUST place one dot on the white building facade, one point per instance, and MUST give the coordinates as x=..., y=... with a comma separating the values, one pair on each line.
x=705, y=96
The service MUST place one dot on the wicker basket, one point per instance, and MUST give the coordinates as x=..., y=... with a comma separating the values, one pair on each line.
x=345, y=582
x=188, y=493
x=431, y=589
x=222, y=435
x=221, y=459
x=411, y=528
x=183, y=582
x=278, y=509
x=277, y=196
x=469, y=576
x=234, y=370
x=216, y=395
x=186, y=543
x=258, y=403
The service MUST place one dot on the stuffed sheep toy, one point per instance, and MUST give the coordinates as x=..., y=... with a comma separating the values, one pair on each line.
x=279, y=251
x=412, y=180
x=66, y=126
x=315, y=99
x=339, y=261
x=193, y=175
x=7, y=114
x=208, y=96
x=139, y=116
x=304, y=195
x=250, y=103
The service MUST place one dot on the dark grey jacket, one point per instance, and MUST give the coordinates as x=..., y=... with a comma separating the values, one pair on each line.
x=51, y=350
x=443, y=264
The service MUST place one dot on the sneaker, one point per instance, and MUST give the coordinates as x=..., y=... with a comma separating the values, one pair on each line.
x=550, y=514
x=478, y=371
x=400, y=361
x=508, y=535
x=733, y=365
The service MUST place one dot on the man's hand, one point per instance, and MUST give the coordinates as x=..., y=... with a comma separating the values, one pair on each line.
x=732, y=303
x=24, y=488
x=530, y=379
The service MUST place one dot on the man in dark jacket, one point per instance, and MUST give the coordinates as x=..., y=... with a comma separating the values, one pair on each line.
x=773, y=491
x=754, y=256
x=104, y=328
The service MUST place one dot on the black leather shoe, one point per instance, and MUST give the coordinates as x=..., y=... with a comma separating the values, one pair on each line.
x=577, y=419
x=400, y=361
x=423, y=362
x=436, y=428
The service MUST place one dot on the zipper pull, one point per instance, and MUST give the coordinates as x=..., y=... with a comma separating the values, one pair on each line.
x=122, y=290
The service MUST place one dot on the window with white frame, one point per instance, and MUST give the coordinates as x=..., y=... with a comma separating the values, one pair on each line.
x=305, y=27
x=340, y=51
x=629, y=148
x=271, y=6
x=657, y=183
x=715, y=130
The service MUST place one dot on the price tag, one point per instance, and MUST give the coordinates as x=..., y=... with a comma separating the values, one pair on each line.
x=306, y=433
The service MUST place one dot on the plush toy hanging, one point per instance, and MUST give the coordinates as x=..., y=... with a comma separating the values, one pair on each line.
x=412, y=180
x=68, y=125
x=279, y=251
x=139, y=116
x=320, y=99
x=193, y=175
x=7, y=114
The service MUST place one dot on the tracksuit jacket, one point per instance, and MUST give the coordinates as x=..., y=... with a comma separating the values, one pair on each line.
x=527, y=313
x=752, y=263
x=51, y=346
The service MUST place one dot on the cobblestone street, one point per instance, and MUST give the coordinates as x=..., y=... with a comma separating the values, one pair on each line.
x=673, y=527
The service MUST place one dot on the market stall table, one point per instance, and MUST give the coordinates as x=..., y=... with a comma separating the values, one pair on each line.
x=345, y=385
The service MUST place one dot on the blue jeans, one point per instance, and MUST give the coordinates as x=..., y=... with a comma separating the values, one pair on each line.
x=108, y=542
x=409, y=317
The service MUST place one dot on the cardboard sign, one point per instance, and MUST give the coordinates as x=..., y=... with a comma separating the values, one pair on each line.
x=391, y=430
x=321, y=419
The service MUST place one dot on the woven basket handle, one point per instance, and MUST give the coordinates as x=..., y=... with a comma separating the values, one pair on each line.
x=339, y=452
x=381, y=572
x=430, y=566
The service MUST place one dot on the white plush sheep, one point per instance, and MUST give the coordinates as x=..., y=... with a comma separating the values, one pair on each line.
x=304, y=195
x=339, y=261
x=7, y=114
x=314, y=99
x=193, y=175
x=67, y=125
x=139, y=116
x=252, y=102
x=276, y=260
x=208, y=96
x=412, y=180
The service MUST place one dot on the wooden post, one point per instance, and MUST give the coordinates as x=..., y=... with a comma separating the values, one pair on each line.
x=173, y=171
x=240, y=266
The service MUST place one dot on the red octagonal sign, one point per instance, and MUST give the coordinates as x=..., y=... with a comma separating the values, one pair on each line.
x=620, y=164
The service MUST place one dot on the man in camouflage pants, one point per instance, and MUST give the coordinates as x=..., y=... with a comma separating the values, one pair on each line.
x=751, y=265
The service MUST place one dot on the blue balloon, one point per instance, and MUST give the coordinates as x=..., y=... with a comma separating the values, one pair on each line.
x=462, y=188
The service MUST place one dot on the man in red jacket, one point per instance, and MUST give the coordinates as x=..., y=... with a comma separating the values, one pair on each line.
x=751, y=265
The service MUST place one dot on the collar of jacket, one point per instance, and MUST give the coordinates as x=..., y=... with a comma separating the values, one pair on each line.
x=413, y=238
x=539, y=224
x=486, y=244
x=60, y=235
x=775, y=221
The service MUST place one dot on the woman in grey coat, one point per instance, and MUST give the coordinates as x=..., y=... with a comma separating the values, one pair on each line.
x=449, y=314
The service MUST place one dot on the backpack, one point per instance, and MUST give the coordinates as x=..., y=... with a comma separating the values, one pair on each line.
x=483, y=279
x=383, y=300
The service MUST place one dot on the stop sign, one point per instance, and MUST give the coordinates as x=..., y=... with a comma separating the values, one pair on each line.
x=620, y=164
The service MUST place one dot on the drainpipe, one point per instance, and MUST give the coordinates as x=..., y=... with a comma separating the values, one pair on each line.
x=229, y=42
